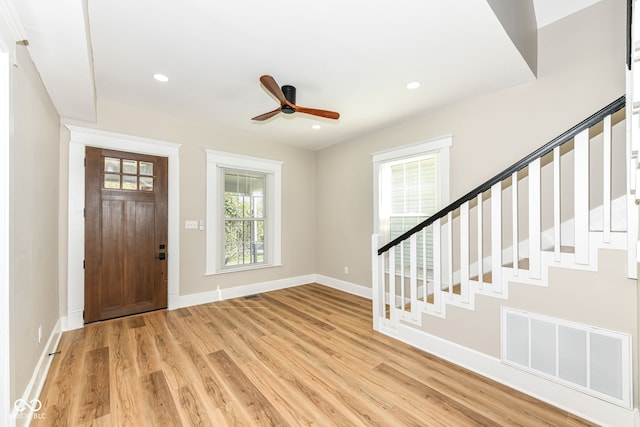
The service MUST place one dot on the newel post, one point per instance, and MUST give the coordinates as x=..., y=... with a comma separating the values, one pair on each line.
x=377, y=293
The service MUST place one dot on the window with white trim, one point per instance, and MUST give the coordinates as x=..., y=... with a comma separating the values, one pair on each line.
x=243, y=212
x=411, y=184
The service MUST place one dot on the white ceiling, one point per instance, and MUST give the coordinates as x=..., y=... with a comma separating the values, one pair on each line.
x=352, y=57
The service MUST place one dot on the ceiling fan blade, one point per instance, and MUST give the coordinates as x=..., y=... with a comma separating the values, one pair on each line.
x=270, y=84
x=320, y=113
x=266, y=116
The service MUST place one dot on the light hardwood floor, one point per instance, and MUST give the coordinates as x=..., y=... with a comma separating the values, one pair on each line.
x=299, y=356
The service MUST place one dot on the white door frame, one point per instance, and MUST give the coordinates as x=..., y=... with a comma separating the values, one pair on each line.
x=80, y=139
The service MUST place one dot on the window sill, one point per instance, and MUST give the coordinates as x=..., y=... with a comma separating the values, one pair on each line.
x=241, y=269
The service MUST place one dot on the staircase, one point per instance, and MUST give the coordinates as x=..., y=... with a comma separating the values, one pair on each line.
x=556, y=208
x=510, y=242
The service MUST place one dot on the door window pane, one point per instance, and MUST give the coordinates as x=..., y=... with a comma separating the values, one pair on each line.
x=146, y=168
x=130, y=167
x=129, y=182
x=127, y=174
x=146, y=183
x=111, y=165
x=111, y=181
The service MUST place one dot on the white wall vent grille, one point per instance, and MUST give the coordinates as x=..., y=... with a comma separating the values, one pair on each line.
x=593, y=360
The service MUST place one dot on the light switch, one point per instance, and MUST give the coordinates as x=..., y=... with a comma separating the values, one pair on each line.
x=201, y=225
x=191, y=225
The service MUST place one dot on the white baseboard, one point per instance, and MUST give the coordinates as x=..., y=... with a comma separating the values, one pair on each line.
x=33, y=389
x=242, y=291
x=173, y=301
x=73, y=320
x=351, y=288
x=256, y=288
x=583, y=405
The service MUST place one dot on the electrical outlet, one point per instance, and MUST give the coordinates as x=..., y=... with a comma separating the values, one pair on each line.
x=346, y=270
x=39, y=334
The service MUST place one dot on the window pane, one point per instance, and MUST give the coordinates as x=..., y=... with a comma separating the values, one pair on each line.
x=397, y=189
x=129, y=182
x=230, y=206
x=130, y=167
x=146, y=168
x=146, y=183
x=244, y=242
x=244, y=218
x=111, y=180
x=244, y=195
x=258, y=207
x=111, y=165
x=411, y=186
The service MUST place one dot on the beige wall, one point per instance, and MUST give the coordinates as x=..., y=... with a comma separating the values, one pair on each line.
x=580, y=70
x=34, y=221
x=298, y=193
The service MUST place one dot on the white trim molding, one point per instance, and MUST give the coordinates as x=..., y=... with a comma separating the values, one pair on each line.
x=217, y=161
x=86, y=137
x=341, y=285
x=273, y=285
x=29, y=403
x=11, y=28
x=438, y=146
x=243, y=290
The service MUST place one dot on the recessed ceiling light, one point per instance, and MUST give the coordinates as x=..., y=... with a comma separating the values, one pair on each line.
x=161, y=77
x=316, y=127
x=413, y=85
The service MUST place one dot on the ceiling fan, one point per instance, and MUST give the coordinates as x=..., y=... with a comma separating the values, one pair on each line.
x=287, y=97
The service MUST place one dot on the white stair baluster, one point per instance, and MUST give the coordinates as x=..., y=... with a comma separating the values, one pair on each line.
x=464, y=251
x=425, y=265
x=413, y=268
x=450, y=252
x=480, y=225
x=514, y=222
x=377, y=262
x=437, y=267
x=606, y=188
x=496, y=238
x=535, y=265
x=393, y=314
x=402, y=276
x=581, y=196
x=557, y=238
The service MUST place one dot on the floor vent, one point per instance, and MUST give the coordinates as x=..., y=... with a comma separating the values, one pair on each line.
x=589, y=359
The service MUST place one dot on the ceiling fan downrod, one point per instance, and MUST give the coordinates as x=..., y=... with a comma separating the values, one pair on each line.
x=290, y=95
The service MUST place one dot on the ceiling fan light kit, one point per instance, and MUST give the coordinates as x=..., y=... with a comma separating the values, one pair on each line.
x=287, y=97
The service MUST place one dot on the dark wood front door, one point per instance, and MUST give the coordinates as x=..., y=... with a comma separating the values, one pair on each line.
x=125, y=234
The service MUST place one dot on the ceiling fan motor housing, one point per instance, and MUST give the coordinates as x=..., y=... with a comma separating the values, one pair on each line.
x=290, y=95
